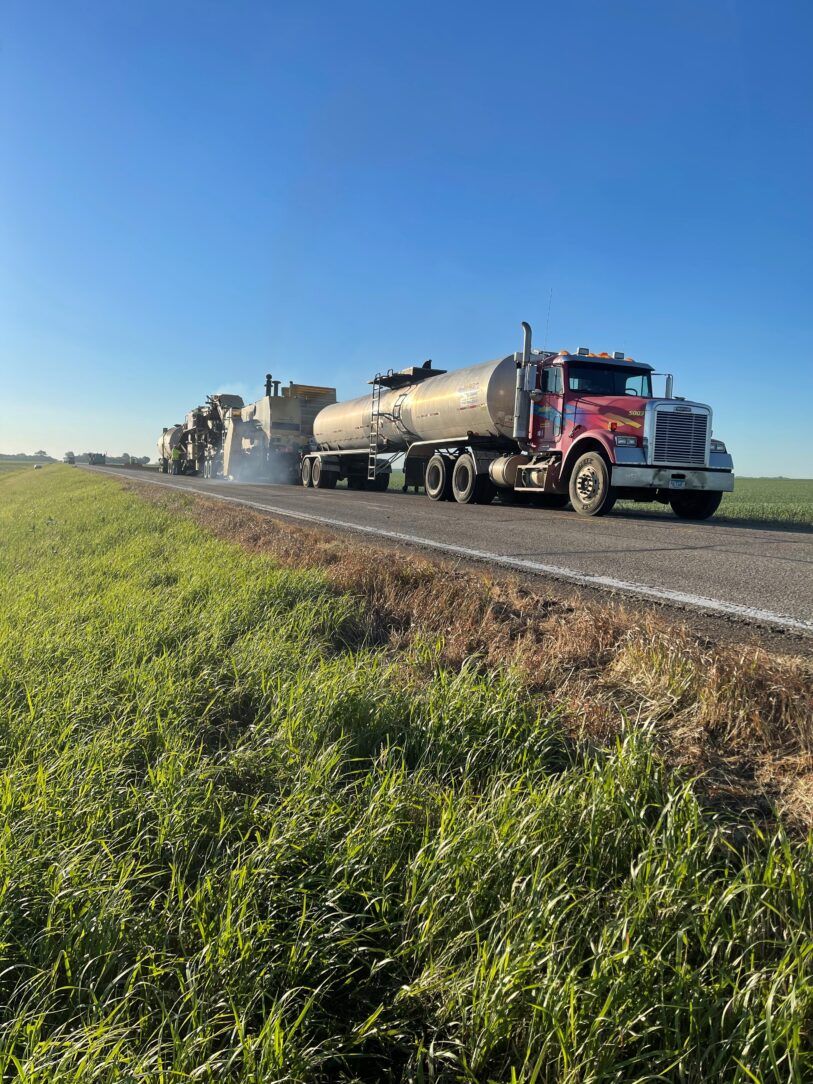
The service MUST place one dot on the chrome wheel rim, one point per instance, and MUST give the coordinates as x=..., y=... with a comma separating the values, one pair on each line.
x=588, y=483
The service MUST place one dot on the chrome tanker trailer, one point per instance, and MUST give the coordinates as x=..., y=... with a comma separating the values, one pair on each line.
x=169, y=440
x=559, y=426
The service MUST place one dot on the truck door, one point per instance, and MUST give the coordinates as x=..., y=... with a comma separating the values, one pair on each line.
x=548, y=408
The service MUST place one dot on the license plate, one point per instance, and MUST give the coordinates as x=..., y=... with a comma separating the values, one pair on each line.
x=677, y=483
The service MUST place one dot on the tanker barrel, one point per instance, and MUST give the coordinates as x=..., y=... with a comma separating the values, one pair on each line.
x=478, y=399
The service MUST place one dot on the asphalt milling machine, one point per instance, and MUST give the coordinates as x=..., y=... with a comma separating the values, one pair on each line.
x=261, y=441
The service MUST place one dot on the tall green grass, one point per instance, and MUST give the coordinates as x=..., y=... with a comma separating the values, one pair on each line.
x=239, y=843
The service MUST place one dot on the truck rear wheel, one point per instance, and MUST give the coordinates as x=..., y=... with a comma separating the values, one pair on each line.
x=695, y=505
x=590, y=491
x=468, y=486
x=321, y=478
x=438, y=478
x=307, y=475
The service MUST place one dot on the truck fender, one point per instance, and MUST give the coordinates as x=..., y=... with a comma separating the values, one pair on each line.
x=594, y=440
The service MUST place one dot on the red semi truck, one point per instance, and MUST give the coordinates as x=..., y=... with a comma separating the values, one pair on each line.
x=579, y=428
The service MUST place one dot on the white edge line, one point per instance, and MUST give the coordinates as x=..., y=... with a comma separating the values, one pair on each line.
x=583, y=579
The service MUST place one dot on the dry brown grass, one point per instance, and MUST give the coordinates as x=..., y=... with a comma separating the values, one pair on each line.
x=739, y=715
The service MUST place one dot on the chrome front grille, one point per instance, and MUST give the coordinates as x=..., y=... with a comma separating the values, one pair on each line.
x=681, y=438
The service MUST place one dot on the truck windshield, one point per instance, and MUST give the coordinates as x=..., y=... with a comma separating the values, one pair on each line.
x=592, y=379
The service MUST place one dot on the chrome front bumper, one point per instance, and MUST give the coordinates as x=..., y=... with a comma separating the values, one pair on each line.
x=673, y=478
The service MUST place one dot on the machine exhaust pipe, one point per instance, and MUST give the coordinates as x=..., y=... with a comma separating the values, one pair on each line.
x=670, y=385
x=522, y=401
x=526, y=342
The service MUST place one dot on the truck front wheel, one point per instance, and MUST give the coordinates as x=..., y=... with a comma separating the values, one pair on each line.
x=590, y=491
x=695, y=505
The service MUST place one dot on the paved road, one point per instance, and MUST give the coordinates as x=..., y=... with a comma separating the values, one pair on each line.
x=764, y=575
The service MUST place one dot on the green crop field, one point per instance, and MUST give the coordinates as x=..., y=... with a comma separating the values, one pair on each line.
x=246, y=839
x=9, y=466
x=780, y=500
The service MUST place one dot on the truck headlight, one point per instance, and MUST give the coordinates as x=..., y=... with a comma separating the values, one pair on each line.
x=718, y=446
x=625, y=442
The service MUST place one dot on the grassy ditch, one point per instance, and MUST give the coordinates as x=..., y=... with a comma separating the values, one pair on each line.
x=279, y=812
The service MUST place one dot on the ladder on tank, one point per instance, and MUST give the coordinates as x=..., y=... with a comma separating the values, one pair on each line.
x=375, y=428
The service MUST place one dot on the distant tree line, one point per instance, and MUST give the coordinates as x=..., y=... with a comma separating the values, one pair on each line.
x=24, y=455
x=125, y=459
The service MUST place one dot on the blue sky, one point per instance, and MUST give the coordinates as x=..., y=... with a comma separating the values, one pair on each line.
x=195, y=193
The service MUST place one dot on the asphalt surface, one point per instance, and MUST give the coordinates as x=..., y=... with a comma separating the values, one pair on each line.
x=763, y=576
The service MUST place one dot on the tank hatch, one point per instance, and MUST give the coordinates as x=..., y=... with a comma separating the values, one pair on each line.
x=413, y=374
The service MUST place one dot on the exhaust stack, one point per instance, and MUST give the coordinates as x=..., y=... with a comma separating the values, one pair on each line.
x=522, y=401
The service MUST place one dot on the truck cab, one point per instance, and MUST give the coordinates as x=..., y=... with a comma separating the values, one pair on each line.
x=598, y=433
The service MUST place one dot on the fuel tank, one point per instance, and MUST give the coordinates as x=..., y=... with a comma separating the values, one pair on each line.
x=478, y=400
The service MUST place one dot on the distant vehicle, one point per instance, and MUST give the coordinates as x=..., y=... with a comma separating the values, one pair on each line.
x=69, y=458
x=97, y=459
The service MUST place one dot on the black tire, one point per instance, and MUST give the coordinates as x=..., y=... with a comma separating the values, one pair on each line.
x=590, y=491
x=307, y=473
x=321, y=478
x=695, y=505
x=438, y=478
x=381, y=483
x=355, y=481
x=469, y=487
